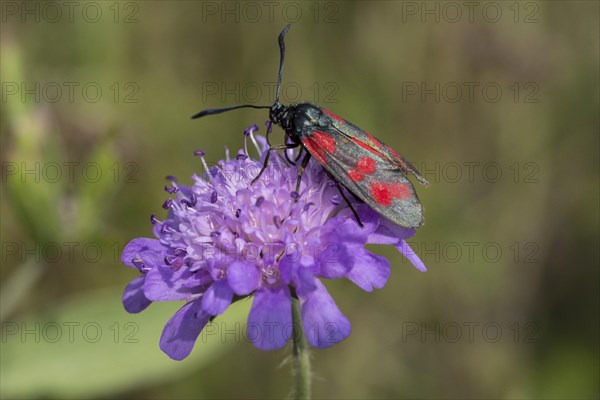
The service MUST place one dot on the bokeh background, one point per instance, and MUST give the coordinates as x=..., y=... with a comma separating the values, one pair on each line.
x=496, y=102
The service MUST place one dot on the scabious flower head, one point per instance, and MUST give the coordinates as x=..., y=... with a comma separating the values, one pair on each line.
x=225, y=239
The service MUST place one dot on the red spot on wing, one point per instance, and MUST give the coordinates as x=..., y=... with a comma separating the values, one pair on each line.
x=355, y=175
x=381, y=193
x=332, y=115
x=314, y=149
x=384, y=193
x=400, y=191
x=325, y=140
x=366, y=165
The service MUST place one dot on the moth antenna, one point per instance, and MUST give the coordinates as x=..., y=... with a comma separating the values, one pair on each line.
x=213, y=111
x=281, y=57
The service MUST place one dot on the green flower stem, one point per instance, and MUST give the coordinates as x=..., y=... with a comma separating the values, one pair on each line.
x=301, y=356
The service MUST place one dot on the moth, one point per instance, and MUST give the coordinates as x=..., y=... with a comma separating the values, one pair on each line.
x=370, y=170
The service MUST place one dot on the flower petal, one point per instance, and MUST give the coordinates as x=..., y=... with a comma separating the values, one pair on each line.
x=242, y=278
x=334, y=260
x=163, y=284
x=270, y=318
x=134, y=299
x=305, y=281
x=182, y=330
x=345, y=228
x=390, y=233
x=143, y=250
x=287, y=268
x=369, y=270
x=324, y=323
x=405, y=249
x=217, y=298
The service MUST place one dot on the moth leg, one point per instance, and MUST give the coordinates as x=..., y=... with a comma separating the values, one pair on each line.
x=287, y=157
x=267, y=139
x=299, y=154
x=339, y=186
x=268, y=157
x=300, y=172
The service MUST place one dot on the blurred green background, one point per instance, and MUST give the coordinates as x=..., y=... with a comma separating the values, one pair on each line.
x=496, y=102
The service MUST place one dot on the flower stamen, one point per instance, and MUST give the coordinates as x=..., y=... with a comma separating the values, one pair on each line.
x=200, y=153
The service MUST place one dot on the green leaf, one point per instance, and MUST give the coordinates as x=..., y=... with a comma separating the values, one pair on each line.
x=89, y=346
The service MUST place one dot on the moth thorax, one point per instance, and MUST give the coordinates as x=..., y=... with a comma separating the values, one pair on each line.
x=281, y=115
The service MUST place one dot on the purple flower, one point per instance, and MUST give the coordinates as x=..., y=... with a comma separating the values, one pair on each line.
x=225, y=239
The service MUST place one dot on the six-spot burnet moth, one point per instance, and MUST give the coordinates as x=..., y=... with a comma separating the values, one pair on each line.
x=366, y=167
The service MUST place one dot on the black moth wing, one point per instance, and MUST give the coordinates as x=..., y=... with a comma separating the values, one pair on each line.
x=366, y=171
x=351, y=130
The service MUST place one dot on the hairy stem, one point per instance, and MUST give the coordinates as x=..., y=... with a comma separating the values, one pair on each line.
x=301, y=356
